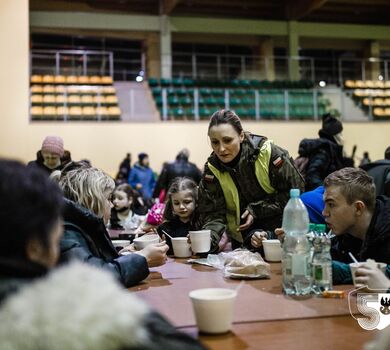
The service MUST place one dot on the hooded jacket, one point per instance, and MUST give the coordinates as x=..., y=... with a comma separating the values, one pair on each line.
x=380, y=171
x=325, y=157
x=80, y=307
x=85, y=238
x=266, y=208
x=376, y=244
x=142, y=175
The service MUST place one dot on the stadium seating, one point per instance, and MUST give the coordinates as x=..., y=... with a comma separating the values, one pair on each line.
x=58, y=97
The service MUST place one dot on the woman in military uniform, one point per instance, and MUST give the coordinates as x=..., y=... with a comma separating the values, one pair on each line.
x=245, y=184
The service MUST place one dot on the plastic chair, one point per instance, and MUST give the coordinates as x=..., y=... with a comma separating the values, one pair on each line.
x=48, y=89
x=36, y=88
x=74, y=99
x=49, y=99
x=83, y=80
x=111, y=99
x=36, y=99
x=49, y=112
x=87, y=99
x=36, y=79
x=48, y=79
x=71, y=79
x=89, y=113
x=107, y=80
x=107, y=90
x=95, y=80
x=75, y=112
x=59, y=79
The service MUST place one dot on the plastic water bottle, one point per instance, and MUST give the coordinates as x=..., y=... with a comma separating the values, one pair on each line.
x=322, y=261
x=296, y=267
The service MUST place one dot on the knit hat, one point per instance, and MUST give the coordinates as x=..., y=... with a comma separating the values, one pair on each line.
x=331, y=125
x=53, y=144
x=141, y=157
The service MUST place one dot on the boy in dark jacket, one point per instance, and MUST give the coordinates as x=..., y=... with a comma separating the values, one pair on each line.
x=350, y=207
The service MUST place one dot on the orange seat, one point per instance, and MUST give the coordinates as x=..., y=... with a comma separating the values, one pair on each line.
x=99, y=99
x=48, y=79
x=111, y=99
x=83, y=79
x=71, y=79
x=36, y=88
x=114, y=111
x=87, y=99
x=60, y=89
x=49, y=111
x=36, y=99
x=62, y=111
x=74, y=99
x=48, y=89
x=59, y=79
x=49, y=99
x=106, y=80
x=95, y=80
x=36, y=78
x=36, y=111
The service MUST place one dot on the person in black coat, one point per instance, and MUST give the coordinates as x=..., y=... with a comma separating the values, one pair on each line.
x=181, y=167
x=351, y=207
x=324, y=154
x=87, y=211
x=74, y=306
x=380, y=171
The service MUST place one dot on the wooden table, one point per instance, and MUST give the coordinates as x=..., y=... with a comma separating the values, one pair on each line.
x=264, y=317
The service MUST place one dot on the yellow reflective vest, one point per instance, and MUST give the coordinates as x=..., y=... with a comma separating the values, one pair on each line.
x=230, y=191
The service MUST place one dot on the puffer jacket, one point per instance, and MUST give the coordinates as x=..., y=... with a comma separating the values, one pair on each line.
x=324, y=156
x=380, y=171
x=181, y=167
x=376, y=244
x=81, y=307
x=85, y=238
x=267, y=209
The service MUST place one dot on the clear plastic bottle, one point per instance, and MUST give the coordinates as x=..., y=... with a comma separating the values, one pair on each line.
x=322, y=261
x=296, y=267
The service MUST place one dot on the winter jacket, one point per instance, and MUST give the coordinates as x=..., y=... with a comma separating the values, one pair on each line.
x=314, y=204
x=85, y=238
x=325, y=157
x=181, y=167
x=39, y=163
x=81, y=307
x=266, y=208
x=144, y=176
x=376, y=244
x=380, y=171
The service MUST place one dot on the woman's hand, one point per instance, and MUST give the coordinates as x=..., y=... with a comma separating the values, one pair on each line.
x=257, y=238
x=248, y=221
x=155, y=254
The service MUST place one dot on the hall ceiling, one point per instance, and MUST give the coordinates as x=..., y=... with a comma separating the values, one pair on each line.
x=330, y=11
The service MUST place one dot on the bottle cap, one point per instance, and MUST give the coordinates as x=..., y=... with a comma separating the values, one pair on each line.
x=312, y=227
x=321, y=228
x=295, y=192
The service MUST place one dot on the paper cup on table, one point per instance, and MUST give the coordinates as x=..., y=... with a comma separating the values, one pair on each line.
x=354, y=267
x=272, y=250
x=181, y=247
x=200, y=241
x=213, y=309
x=145, y=240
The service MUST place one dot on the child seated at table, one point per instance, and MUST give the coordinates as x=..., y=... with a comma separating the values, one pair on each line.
x=180, y=210
x=123, y=214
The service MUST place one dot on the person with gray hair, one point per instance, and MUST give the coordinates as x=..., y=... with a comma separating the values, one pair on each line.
x=87, y=210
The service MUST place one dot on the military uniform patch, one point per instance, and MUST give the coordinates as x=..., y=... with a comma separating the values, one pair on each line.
x=278, y=162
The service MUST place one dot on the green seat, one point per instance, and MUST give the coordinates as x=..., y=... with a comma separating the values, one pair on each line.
x=185, y=100
x=165, y=82
x=188, y=82
x=204, y=112
x=210, y=101
x=218, y=92
x=181, y=92
x=220, y=101
x=178, y=113
x=205, y=91
x=177, y=82
x=156, y=90
x=234, y=101
x=173, y=100
x=153, y=82
x=159, y=100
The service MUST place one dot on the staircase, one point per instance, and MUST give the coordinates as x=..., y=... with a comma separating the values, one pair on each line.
x=136, y=102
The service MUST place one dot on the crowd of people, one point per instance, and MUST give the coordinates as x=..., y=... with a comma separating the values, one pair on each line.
x=57, y=212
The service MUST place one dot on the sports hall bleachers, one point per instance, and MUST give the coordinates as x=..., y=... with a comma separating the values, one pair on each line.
x=373, y=96
x=272, y=98
x=59, y=97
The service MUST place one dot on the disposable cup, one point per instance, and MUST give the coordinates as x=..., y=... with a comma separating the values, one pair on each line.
x=181, y=247
x=200, y=241
x=354, y=267
x=272, y=250
x=213, y=309
x=145, y=240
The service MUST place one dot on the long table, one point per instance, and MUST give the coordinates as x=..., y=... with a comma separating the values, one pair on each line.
x=264, y=318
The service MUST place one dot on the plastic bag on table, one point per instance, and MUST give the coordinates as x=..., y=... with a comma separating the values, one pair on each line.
x=243, y=264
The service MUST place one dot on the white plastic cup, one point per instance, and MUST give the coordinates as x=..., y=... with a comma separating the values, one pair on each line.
x=213, y=309
x=145, y=240
x=200, y=241
x=354, y=267
x=272, y=250
x=181, y=247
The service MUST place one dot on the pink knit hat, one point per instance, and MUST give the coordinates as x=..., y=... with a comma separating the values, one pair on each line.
x=53, y=144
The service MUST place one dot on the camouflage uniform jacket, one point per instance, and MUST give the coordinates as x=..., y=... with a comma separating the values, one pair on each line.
x=267, y=209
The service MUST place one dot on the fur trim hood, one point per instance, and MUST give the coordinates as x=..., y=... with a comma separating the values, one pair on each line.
x=76, y=307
